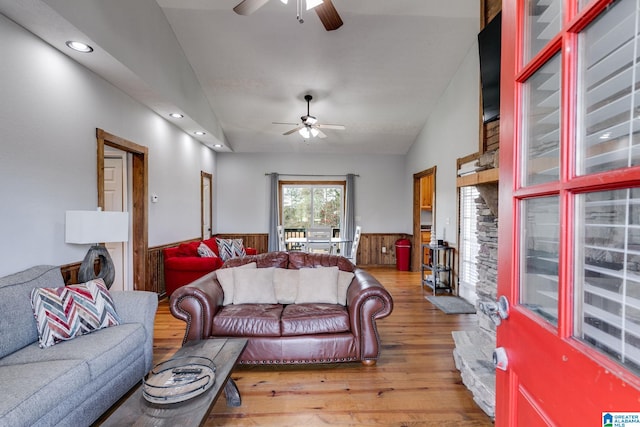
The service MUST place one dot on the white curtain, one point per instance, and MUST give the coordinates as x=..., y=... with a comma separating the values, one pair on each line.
x=273, y=213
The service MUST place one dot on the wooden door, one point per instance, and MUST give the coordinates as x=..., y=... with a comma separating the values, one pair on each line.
x=569, y=221
x=115, y=199
x=206, y=204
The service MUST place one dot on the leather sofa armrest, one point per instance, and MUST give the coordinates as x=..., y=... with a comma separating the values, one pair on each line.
x=196, y=304
x=367, y=301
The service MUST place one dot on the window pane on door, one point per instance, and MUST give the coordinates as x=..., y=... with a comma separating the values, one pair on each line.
x=542, y=22
x=540, y=252
x=541, y=127
x=608, y=273
x=609, y=102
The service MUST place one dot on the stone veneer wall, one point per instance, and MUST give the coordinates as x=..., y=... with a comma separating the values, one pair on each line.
x=474, y=349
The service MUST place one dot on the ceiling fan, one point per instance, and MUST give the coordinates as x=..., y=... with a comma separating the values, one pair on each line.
x=309, y=128
x=324, y=8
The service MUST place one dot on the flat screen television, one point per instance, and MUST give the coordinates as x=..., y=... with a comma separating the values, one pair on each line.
x=489, y=49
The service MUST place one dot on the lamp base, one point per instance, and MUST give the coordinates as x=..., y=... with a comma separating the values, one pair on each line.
x=107, y=271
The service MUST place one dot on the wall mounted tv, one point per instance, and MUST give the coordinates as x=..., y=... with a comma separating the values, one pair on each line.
x=489, y=49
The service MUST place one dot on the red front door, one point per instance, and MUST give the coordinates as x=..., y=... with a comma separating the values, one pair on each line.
x=570, y=213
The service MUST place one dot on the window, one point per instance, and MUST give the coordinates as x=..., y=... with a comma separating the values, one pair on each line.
x=310, y=204
x=469, y=246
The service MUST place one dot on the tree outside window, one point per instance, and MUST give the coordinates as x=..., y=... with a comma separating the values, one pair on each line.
x=307, y=205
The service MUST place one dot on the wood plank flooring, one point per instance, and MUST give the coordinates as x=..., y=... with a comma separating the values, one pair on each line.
x=415, y=382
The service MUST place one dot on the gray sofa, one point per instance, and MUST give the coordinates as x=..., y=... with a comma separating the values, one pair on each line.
x=74, y=382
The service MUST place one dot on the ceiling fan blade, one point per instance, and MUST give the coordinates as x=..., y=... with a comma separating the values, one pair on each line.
x=247, y=7
x=328, y=15
x=293, y=130
x=328, y=126
x=283, y=123
x=321, y=134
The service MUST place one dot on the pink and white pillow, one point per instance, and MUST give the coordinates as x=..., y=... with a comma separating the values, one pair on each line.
x=67, y=312
x=205, y=251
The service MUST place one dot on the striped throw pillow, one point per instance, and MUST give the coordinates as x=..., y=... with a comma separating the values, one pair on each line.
x=67, y=312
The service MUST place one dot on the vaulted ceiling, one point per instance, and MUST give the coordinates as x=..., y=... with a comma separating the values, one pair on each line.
x=232, y=76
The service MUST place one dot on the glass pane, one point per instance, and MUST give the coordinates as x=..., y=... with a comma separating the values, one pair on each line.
x=327, y=206
x=609, y=103
x=539, y=260
x=542, y=23
x=541, y=127
x=296, y=207
x=608, y=273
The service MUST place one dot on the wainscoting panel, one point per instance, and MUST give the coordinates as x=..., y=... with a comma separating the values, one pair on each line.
x=370, y=248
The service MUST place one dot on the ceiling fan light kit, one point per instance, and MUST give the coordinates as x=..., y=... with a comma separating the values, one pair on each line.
x=310, y=128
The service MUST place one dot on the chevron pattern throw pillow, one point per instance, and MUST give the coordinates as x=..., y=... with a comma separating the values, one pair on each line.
x=230, y=248
x=70, y=311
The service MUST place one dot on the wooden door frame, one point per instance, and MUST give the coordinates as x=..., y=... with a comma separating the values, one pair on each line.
x=204, y=175
x=416, y=255
x=139, y=196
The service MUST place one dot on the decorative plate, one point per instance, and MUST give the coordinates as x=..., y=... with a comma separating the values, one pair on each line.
x=178, y=379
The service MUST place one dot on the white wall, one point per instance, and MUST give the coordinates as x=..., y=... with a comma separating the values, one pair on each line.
x=450, y=132
x=49, y=110
x=242, y=189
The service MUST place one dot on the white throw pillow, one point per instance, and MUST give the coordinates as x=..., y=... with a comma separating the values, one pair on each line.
x=344, y=280
x=254, y=286
x=225, y=277
x=285, y=284
x=318, y=285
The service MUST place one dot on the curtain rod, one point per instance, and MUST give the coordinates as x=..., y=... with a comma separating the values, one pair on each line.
x=302, y=174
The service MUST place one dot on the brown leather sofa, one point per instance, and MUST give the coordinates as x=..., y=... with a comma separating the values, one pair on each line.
x=199, y=304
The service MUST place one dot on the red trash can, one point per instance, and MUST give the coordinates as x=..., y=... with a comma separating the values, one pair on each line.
x=403, y=252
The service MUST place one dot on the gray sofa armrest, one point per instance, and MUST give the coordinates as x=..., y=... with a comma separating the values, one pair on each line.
x=138, y=307
x=367, y=301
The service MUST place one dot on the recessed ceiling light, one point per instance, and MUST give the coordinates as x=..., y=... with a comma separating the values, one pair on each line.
x=218, y=146
x=199, y=133
x=79, y=46
x=176, y=115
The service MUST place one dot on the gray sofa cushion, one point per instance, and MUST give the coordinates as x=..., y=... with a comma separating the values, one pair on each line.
x=17, y=324
x=32, y=389
x=39, y=379
x=99, y=349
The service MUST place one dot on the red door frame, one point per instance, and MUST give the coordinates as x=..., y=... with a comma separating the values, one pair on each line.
x=551, y=375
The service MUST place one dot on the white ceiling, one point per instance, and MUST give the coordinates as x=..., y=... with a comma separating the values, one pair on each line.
x=380, y=74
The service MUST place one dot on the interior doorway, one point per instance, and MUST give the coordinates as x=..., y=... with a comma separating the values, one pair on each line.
x=116, y=191
x=138, y=184
x=424, y=213
x=206, y=192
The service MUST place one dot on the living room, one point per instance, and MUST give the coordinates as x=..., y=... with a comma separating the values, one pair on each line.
x=54, y=106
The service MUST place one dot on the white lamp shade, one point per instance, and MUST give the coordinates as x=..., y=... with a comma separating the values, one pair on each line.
x=91, y=227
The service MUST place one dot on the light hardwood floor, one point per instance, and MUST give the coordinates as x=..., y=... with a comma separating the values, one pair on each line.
x=415, y=382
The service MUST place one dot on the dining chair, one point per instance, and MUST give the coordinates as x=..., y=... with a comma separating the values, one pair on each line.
x=319, y=240
x=354, y=245
x=281, y=243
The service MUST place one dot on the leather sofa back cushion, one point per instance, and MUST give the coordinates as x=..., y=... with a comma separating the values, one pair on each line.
x=303, y=259
x=268, y=259
x=307, y=319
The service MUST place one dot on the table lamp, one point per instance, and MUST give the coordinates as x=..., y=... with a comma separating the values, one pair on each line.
x=96, y=227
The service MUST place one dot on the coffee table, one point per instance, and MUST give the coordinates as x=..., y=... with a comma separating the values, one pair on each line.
x=136, y=410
